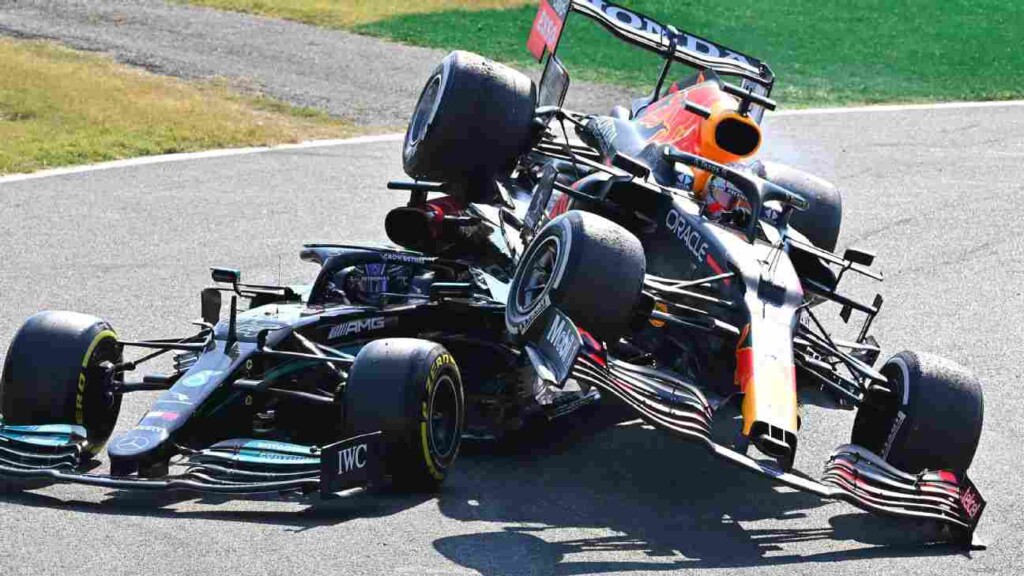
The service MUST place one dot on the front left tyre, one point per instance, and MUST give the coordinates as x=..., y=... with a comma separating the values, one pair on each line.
x=928, y=418
x=52, y=375
x=411, y=391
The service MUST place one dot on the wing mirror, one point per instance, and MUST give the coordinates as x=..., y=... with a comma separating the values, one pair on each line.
x=226, y=275
x=858, y=256
x=631, y=165
x=210, y=302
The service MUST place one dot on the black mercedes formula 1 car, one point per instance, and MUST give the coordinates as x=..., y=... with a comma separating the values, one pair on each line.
x=352, y=381
x=549, y=257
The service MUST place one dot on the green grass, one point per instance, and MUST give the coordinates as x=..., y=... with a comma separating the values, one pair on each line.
x=348, y=13
x=823, y=52
x=60, y=107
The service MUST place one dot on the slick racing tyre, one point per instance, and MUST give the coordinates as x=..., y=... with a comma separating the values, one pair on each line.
x=587, y=266
x=822, y=220
x=52, y=376
x=411, y=391
x=473, y=119
x=931, y=420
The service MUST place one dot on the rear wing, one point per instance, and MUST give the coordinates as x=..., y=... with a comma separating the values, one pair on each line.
x=645, y=33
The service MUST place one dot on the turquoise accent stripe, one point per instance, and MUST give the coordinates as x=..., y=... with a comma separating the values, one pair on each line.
x=69, y=429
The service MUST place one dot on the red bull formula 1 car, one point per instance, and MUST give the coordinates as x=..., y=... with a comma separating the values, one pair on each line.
x=549, y=257
x=659, y=261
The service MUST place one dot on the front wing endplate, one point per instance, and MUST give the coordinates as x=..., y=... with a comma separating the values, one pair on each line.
x=853, y=474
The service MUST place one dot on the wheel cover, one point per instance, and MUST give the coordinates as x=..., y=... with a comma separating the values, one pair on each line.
x=425, y=109
x=443, y=421
x=101, y=406
x=537, y=276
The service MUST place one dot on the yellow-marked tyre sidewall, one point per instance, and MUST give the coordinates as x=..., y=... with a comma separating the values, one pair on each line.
x=443, y=373
x=393, y=387
x=99, y=433
x=47, y=376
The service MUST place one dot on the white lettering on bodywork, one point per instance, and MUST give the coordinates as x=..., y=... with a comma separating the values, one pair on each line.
x=687, y=233
x=560, y=335
x=351, y=459
x=355, y=327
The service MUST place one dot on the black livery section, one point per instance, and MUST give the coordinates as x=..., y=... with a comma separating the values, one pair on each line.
x=351, y=463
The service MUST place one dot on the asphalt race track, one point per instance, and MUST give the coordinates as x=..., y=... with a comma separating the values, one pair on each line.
x=936, y=193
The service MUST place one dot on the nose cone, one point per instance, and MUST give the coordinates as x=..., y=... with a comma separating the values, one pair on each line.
x=144, y=442
x=150, y=439
x=136, y=442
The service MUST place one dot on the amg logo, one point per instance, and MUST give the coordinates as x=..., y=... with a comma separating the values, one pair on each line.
x=351, y=459
x=562, y=339
x=355, y=327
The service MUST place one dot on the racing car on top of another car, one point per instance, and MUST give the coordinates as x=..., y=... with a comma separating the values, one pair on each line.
x=662, y=262
x=548, y=257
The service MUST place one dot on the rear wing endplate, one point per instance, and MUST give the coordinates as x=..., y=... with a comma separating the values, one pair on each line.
x=648, y=34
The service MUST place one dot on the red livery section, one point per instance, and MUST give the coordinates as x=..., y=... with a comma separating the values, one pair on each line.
x=673, y=124
x=547, y=27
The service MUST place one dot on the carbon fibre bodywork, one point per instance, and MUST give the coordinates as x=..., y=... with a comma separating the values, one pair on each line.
x=255, y=401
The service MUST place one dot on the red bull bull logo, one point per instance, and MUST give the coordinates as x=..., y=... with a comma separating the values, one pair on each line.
x=673, y=124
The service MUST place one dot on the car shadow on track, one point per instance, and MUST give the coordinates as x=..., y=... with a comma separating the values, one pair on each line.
x=605, y=489
x=295, y=514
x=593, y=485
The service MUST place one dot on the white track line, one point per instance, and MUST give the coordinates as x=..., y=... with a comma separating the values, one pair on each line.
x=897, y=108
x=181, y=157
x=146, y=160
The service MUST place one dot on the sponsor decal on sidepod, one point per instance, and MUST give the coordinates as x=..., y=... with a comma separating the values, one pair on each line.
x=687, y=233
x=356, y=327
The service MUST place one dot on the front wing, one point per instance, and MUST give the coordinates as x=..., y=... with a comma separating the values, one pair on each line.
x=852, y=473
x=57, y=452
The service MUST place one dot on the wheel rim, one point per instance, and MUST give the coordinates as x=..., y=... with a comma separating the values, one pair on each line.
x=536, y=282
x=101, y=404
x=876, y=416
x=424, y=112
x=444, y=418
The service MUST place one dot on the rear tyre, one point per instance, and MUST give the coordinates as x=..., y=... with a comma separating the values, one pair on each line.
x=931, y=420
x=822, y=220
x=473, y=120
x=411, y=391
x=591, y=268
x=52, y=376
